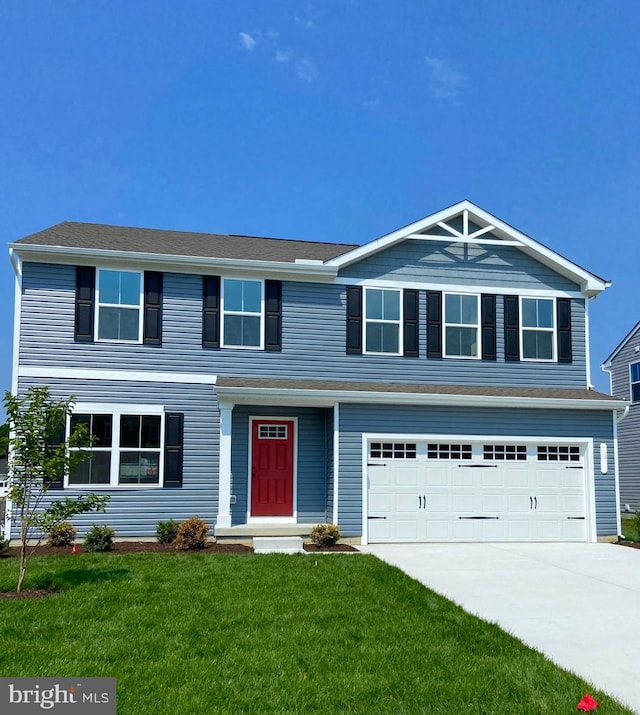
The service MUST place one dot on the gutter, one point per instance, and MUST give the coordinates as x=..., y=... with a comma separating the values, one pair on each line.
x=198, y=264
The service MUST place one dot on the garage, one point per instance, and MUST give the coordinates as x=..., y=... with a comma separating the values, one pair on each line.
x=420, y=490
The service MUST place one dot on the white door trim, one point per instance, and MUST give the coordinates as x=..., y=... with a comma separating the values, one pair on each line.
x=273, y=519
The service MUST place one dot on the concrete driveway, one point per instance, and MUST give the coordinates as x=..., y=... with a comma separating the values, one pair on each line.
x=579, y=604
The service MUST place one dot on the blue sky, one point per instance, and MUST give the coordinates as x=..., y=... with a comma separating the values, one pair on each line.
x=327, y=121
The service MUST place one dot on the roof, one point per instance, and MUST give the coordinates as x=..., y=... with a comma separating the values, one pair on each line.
x=71, y=234
x=622, y=344
x=462, y=223
x=382, y=391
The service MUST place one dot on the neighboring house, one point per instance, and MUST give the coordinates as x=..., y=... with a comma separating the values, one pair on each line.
x=431, y=385
x=623, y=366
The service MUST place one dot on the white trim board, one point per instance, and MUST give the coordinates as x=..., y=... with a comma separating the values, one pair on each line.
x=190, y=378
x=476, y=289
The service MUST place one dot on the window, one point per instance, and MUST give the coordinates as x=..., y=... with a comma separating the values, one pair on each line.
x=126, y=449
x=502, y=452
x=392, y=450
x=635, y=381
x=461, y=316
x=553, y=453
x=382, y=319
x=537, y=333
x=449, y=451
x=242, y=307
x=119, y=306
x=272, y=432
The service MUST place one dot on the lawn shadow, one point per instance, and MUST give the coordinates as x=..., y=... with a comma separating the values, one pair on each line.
x=72, y=578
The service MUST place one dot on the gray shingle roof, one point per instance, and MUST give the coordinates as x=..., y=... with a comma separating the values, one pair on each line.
x=416, y=389
x=181, y=243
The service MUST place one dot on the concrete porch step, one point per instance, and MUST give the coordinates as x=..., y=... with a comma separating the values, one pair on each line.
x=277, y=545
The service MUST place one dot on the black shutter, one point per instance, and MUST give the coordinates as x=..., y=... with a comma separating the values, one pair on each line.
x=85, y=292
x=210, y=311
x=152, y=329
x=488, y=313
x=563, y=319
x=511, y=328
x=173, y=440
x=54, y=441
x=434, y=324
x=411, y=329
x=273, y=315
x=354, y=320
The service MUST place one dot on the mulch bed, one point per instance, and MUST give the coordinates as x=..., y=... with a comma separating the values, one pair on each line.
x=312, y=548
x=26, y=593
x=630, y=544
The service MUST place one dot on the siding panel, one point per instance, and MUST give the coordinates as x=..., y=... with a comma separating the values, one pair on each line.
x=314, y=320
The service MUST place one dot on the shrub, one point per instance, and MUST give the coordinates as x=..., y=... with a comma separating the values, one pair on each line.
x=192, y=534
x=62, y=534
x=99, y=538
x=166, y=531
x=636, y=524
x=4, y=546
x=325, y=534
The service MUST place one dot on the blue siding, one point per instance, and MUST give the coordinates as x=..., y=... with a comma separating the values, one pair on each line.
x=313, y=340
x=135, y=512
x=311, y=465
x=629, y=428
x=455, y=263
x=356, y=419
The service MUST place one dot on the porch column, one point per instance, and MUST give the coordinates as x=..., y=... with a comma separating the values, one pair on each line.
x=224, y=476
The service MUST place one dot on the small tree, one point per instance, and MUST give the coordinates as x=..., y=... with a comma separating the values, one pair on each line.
x=38, y=456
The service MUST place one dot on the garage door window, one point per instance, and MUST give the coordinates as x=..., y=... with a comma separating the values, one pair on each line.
x=505, y=452
x=449, y=451
x=393, y=450
x=555, y=453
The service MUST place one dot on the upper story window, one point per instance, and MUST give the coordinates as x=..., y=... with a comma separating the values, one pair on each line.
x=119, y=305
x=634, y=369
x=382, y=320
x=537, y=329
x=461, y=325
x=242, y=309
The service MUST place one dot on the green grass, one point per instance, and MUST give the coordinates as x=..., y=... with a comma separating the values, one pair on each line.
x=186, y=633
x=629, y=530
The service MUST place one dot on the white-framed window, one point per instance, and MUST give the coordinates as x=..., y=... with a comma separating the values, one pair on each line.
x=127, y=449
x=242, y=313
x=392, y=450
x=461, y=325
x=382, y=321
x=634, y=376
x=449, y=451
x=119, y=302
x=273, y=431
x=538, y=329
x=558, y=453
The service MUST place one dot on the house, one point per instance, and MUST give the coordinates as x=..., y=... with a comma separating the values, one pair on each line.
x=623, y=366
x=430, y=385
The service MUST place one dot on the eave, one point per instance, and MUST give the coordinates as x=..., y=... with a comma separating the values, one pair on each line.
x=299, y=270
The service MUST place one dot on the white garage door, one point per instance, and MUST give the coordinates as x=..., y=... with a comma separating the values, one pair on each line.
x=466, y=491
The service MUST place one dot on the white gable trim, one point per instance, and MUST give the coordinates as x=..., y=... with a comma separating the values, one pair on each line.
x=607, y=363
x=589, y=283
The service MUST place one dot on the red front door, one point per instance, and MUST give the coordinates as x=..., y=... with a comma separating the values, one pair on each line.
x=272, y=468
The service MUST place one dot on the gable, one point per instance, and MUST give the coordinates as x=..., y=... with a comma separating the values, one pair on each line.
x=450, y=263
x=465, y=233
x=628, y=350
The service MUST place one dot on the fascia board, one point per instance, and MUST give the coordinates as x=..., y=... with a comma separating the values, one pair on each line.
x=190, y=264
x=607, y=363
x=247, y=395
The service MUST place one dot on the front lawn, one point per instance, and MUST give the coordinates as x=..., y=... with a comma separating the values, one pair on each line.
x=629, y=530
x=186, y=633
